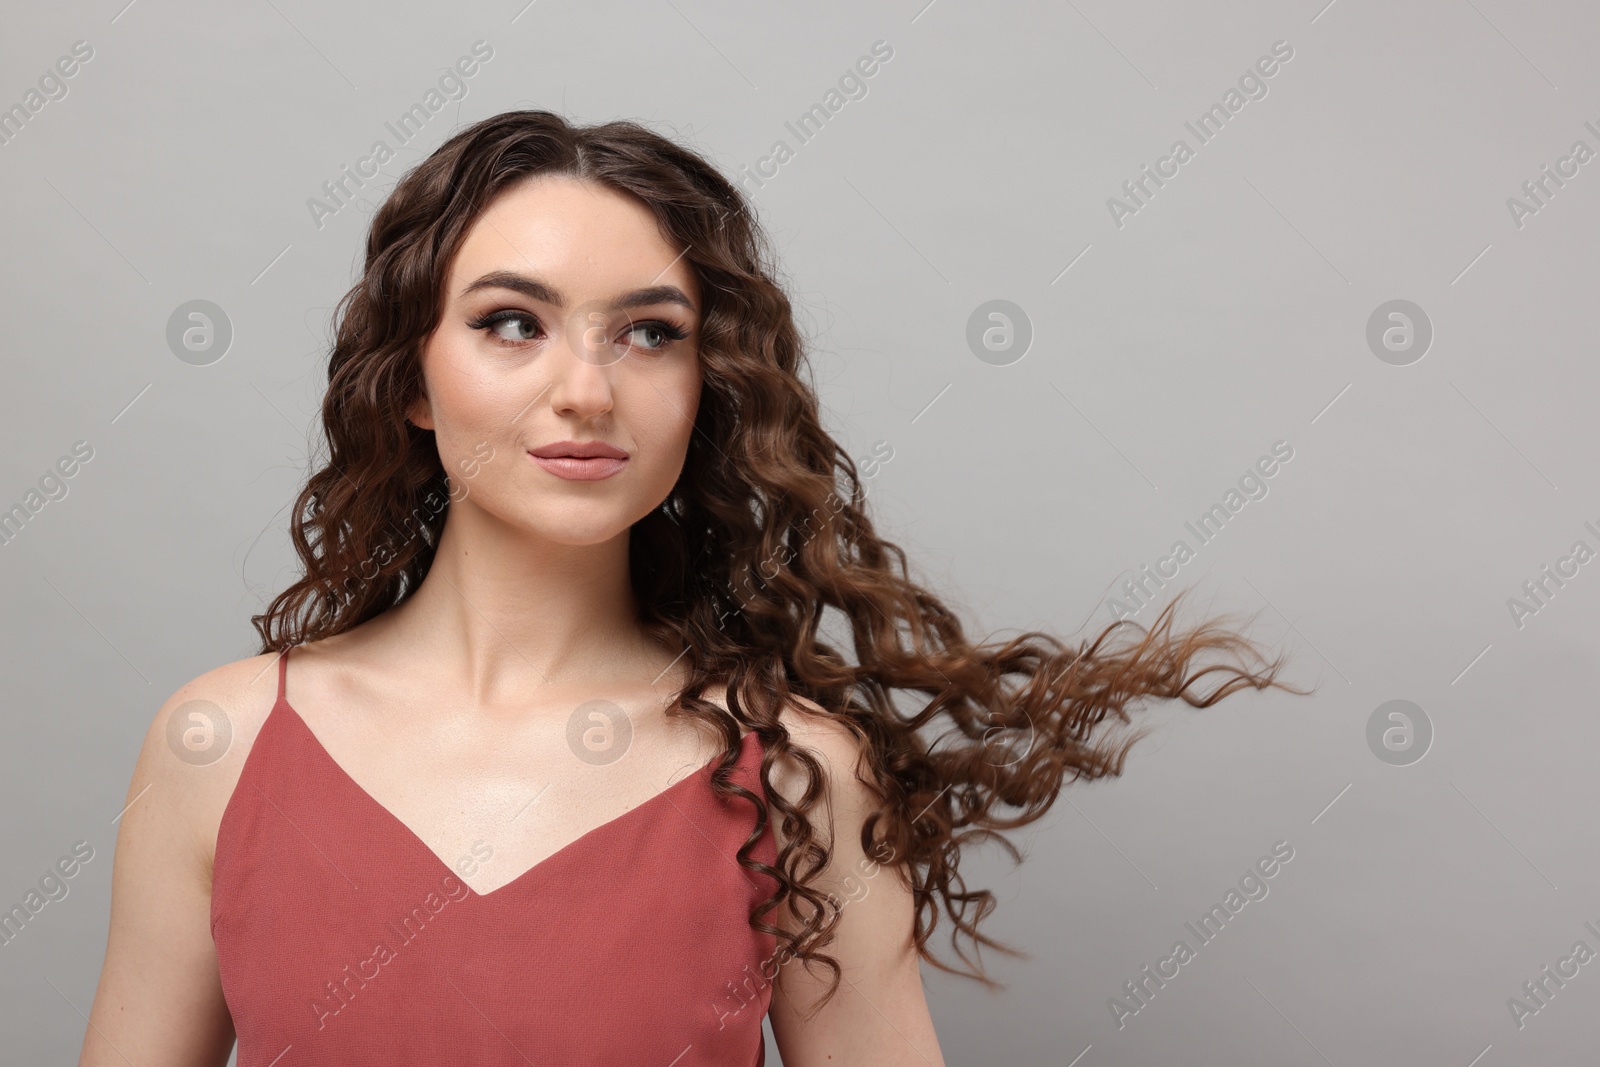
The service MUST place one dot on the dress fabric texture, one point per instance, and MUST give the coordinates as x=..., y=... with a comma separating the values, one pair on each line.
x=342, y=939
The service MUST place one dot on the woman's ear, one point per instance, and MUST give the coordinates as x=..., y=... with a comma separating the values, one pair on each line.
x=420, y=414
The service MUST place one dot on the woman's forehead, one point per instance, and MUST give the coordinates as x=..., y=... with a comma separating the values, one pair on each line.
x=581, y=239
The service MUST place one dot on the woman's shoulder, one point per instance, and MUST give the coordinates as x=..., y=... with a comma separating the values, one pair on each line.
x=841, y=754
x=810, y=724
x=826, y=738
x=847, y=795
x=196, y=746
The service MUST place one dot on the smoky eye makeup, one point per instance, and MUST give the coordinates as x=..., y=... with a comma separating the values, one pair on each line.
x=515, y=327
x=520, y=323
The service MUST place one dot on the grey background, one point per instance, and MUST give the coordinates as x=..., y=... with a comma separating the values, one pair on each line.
x=1228, y=314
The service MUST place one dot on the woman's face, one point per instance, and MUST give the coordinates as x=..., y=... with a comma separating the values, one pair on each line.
x=569, y=326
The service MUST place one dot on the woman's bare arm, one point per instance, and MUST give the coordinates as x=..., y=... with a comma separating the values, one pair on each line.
x=879, y=1015
x=159, y=1000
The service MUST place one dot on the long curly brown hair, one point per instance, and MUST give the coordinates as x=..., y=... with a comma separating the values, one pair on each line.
x=765, y=530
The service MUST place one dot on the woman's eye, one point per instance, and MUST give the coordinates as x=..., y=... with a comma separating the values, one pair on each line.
x=518, y=328
x=653, y=336
x=510, y=327
x=515, y=328
x=658, y=334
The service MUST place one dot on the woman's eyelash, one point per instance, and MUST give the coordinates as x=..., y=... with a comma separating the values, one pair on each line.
x=495, y=318
x=671, y=331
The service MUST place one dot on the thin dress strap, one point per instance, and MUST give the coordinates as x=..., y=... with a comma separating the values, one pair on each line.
x=283, y=672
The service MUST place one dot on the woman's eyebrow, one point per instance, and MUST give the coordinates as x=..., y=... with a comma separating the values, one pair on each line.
x=518, y=283
x=535, y=289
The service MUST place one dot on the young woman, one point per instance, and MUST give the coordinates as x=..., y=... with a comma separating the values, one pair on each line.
x=548, y=758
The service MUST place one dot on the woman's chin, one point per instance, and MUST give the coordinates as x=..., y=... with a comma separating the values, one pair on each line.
x=579, y=530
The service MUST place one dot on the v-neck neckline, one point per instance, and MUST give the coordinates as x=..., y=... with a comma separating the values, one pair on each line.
x=587, y=837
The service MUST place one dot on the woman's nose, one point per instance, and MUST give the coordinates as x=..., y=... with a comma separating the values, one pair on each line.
x=582, y=375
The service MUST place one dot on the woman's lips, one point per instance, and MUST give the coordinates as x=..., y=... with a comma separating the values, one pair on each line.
x=580, y=469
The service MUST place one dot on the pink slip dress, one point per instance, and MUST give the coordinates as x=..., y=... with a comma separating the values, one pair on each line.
x=343, y=939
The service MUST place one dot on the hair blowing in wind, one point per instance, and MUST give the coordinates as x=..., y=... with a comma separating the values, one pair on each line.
x=765, y=531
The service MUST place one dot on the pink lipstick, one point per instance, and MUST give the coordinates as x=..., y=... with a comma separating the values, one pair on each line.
x=580, y=461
